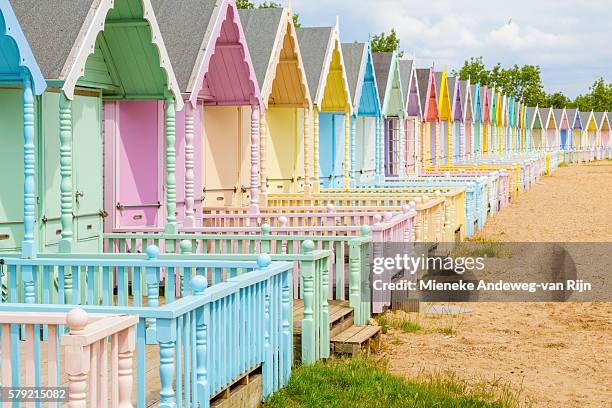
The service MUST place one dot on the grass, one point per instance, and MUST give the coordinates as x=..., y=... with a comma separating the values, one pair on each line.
x=564, y=164
x=399, y=322
x=366, y=383
x=479, y=246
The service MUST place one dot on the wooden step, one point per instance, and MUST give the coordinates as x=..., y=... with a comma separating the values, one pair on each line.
x=339, y=314
x=356, y=339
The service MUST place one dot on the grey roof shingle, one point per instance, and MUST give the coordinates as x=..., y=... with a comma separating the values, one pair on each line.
x=531, y=112
x=51, y=43
x=438, y=77
x=405, y=69
x=463, y=91
x=571, y=116
x=313, y=42
x=452, y=82
x=598, y=118
x=183, y=25
x=382, y=70
x=423, y=84
x=353, y=55
x=260, y=28
x=584, y=118
x=558, y=113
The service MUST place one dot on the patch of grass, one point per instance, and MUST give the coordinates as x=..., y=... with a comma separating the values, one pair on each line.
x=402, y=322
x=564, y=164
x=480, y=246
x=365, y=383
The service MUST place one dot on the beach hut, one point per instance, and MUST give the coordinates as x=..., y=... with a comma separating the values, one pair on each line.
x=445, y=109
x=414, y=113
x=477, y=114
x=366, y=116
x=486, y=119
x=324, y=65
x=285, y=155
x=500, y=113
x=523, y=120
x=574, y=129
x=107, y=67
x=563, y=123
x=20, y=81
x=457, y=124
x=535, y=130
x=430, y=127
x=217, y=148
x=467, y=126
x=603, y=129
x=392, y=104
x=551, y=126
x=589, y=130
x=492, y=121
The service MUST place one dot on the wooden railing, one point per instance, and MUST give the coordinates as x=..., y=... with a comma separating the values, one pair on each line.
x=346, y=258
x=32, y=360
x=204, y=340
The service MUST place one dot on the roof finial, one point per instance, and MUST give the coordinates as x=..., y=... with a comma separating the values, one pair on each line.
x=337, y=21
x=289, y=6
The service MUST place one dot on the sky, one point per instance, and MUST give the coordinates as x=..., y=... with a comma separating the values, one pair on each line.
x=571, y=40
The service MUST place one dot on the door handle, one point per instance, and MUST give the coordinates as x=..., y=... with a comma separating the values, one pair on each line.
x=78, y=195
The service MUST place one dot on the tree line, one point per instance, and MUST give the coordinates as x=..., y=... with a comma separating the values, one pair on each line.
x=523, y=82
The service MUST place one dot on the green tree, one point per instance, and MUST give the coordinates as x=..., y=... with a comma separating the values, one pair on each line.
x=558, y=101
x=475, y=70
x=599, y=97
x=246, y=4
x=386, y=43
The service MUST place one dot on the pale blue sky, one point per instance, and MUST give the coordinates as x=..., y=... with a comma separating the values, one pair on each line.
x=571, y=40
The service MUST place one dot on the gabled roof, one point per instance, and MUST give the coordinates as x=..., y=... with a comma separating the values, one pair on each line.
x=63, y=35
x=532, y=113
x=265, y=30
x=465, y=91
x=454, y=92
x=382, y=68
x=355, y=57
x=405, y=68
x=584, y=118
x=548, y=113
x=17, y=54
x=599, y=118
x=559, y=113
x=317, y=46
x=438, y=77
x=423, y=77
x=572, y=117
x=409, y=80
x=261, y=28
x=193, y=30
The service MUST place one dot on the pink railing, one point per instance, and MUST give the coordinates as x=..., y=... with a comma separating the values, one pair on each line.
x=33, y=343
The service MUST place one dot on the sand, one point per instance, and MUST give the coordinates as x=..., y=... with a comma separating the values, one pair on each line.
x=552, y=354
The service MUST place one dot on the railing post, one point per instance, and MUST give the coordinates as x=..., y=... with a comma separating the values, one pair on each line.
x=189, y=220
x=263, y=261
x=170, y=167
x=66, y=187
x=254, y=199
x=330, y=218
x=127, y=343
x=152, y=280
x=355, y=277
x=28, y=246
x=77, y=361
x=365, y=256
x=198, y=286
x=287, y=328
x=166, y=337
x=265, y=243
x=186, y=248
x=309, y=320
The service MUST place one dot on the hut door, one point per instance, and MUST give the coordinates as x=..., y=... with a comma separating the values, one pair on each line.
x=563, y=138
x=87, y=172
x=11, y=168
x=222, y=133
x=50, y=175
x=338, y=140
x=326, y=148
x=139, y=164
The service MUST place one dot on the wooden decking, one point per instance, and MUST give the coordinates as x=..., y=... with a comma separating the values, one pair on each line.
x=356, y=339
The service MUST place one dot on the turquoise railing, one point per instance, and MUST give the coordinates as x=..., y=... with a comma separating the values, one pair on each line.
x=206, y=339
x=348, y=265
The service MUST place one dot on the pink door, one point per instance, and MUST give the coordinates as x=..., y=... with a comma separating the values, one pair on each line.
x=135, y=132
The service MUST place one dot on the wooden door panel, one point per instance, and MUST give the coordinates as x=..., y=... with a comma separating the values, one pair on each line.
x=11, y=169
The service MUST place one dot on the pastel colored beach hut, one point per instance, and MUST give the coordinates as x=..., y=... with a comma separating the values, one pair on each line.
x=21, y=80
x=535, y=128
x=589, y=130
x=366, y=117
x=551, y=126
x=324, y=65
x=477, y=114
x=574, y=129
x=457, y=124
x=430, y=128
x=414, y=113
x=218, y=134
x=492, y=133
x=486, y=120
x=466, y=135
x=285, y=143
x=564, y=128
x=445, y=110
x=603, y=128
x=107, y=67
x=392, y=106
